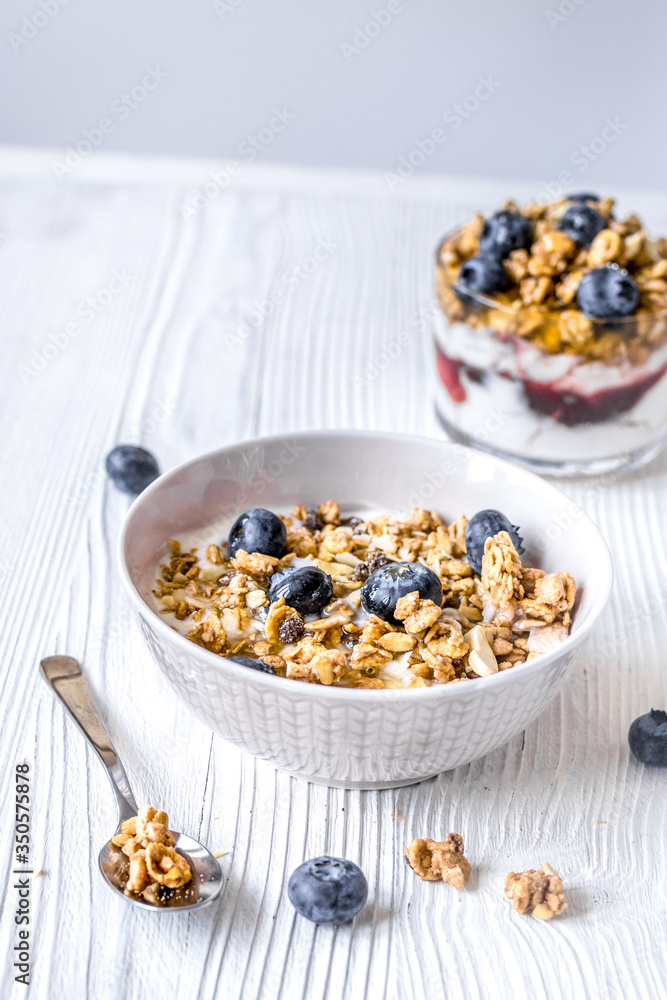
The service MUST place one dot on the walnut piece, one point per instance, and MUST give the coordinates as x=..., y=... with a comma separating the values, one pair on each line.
x=301, y=542
x=211, y=633
x=415, y=613
x=557, y=590
x=149, y=826
x=606, y=247
x=329, y=512
x=311, y=661
x=443, y=650
x=534, y=290
x=234, y=591
x=334, y=541
x=255, y=563
x=536, y=892
x=443, y=860
x=368, y=654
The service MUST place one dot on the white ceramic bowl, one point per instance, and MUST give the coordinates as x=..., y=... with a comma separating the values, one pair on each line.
x=341, y=736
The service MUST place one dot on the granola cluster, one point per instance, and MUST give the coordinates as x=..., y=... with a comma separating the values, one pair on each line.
x=154, y=864
x=509, y=614
x=540, y=305
x=536, y=892
x=443, y=860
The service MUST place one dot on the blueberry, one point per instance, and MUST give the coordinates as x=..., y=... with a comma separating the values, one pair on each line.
x=504, y=232
x=307, y=589
x=484, y=274
x=328, y=890
x=484, y=524
x=258, y=530
x=245, y=661
x=648, y=738
x=582, y=223
x=584, y=196
x=607, y=293
x=389, y=583
x=131, y=469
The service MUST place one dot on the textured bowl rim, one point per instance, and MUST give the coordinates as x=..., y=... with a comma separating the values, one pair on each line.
x=378, y=696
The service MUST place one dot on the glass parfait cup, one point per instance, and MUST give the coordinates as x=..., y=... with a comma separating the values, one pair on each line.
x=554, y=390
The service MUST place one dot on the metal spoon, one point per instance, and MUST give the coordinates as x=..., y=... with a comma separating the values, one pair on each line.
x=63, y=674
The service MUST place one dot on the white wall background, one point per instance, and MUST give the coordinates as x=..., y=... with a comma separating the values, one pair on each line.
x=559, y=70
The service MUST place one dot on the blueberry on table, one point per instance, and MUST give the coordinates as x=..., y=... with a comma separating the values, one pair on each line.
x=484, y=274
x=131, y=469
x=583, y=196
x=503, y=232
x=607, y=293
x=582, y=223
x=485, y=524
x=246, y=661
x=648, y=738
x=258, y=530
x=388, y=584
x=307, y=589
x=328, y=890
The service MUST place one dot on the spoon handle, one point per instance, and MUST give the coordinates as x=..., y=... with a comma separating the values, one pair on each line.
x=64, y=677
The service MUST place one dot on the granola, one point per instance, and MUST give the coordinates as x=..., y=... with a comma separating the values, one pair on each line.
x=536, y=892
x=488, y=622
x=551, y=335
x=540, y=303
x=144, y=863
x=443, y=860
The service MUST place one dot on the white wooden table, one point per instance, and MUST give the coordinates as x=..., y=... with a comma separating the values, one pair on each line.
x=173, y=352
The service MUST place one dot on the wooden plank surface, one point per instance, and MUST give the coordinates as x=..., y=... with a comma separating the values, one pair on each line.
x=173, y=351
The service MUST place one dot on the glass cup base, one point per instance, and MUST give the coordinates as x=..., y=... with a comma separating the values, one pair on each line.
x=613, y=465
